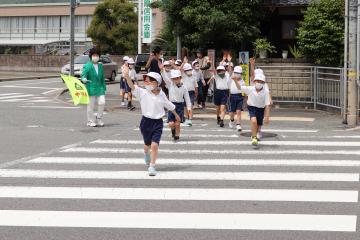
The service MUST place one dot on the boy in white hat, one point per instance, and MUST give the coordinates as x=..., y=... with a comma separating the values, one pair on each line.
x=221, y=93
x=152, y=101
x=191, y=85
x=199, y=76
x=236, y=99
x=123, y=81
x=258, y=105
x=132, y=75
x=177, y=94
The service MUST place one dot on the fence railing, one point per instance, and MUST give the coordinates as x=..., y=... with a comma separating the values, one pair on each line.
x=320, y=86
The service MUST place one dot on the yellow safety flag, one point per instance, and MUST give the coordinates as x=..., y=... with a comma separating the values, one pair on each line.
x=77, y=89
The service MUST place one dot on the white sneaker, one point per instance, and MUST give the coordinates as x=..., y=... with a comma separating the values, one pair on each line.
x=122, y=103
x=231, y=124
x=259, y=135
x=239, y=128
x=100, y=123
x=152, y=171
x=91, y=124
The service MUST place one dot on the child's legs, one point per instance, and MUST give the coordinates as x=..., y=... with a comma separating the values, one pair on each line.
x=231, y=116
x=254, y=126
x=129, y=97
x=238, y=116
x=177, y=128
x=222, y=111
x=218, y=111
x=154, y=152
x=171, y=125
x=146, y=149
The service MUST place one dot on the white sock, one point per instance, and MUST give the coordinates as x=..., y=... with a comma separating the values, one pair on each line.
x=152, y=165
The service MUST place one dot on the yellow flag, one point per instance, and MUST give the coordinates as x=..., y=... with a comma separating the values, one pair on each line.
x=77, y=89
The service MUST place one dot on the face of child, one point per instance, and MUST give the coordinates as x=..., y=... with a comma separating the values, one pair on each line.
x=221, y=73
x=177, y=81
x=188, y=73
x=259, y=85
x=167, y=68
x=150, y=82
x=131, y=66
x=197, y=67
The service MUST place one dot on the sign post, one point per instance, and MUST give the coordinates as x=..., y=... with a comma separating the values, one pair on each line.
x=147, y=22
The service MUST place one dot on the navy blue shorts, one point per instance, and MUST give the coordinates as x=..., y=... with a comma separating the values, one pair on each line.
x=151, y=129
x=179, y=109
x=258, y=113
x=236, y=102
x=192, y=97
x=221, y=97
x=122, y=83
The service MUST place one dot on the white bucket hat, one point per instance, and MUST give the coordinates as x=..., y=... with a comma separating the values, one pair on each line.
x=175, y=74
x=155, y=76
x=238, y=69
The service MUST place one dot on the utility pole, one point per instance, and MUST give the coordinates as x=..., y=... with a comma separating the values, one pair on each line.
x=139, y=25
x=73, y=5
x=353, y=74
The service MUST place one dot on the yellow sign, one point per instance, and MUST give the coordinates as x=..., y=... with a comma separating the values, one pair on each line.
x=77, y=90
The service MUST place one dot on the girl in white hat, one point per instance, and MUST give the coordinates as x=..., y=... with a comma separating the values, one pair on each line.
x=236, y=99
x=191, y=85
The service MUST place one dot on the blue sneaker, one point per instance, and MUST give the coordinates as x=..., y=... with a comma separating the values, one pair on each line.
x=152, y=171
x=147, y=159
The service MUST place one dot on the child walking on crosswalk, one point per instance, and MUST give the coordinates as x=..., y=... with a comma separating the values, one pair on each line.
x=258, y=105
x=152, y=101
x=177, y=94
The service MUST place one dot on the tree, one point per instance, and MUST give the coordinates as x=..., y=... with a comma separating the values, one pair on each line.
x=220, y=24
x=321, y=33
x=114, y=27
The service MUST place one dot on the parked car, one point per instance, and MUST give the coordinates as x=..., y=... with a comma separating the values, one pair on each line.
x=140, y=62
x=110, y=67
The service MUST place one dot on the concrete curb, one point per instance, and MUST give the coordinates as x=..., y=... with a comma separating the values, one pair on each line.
x=27, y=78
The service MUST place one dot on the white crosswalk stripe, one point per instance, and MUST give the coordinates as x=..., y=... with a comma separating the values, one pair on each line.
x=23, y=98
x=214, y=168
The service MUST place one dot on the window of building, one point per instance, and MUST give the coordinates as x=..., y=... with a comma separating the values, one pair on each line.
x=289, y=29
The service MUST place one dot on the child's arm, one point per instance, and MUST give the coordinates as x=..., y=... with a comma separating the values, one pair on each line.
x=187, y=99
x=151, y=57
x=267, y=114
x=252, y=69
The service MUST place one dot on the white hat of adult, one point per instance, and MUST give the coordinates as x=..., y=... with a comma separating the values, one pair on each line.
x=175, y=73
x=260, y=77
x=238, y=69
x=187, y=67
x=167, y=63
x=126, y=58
x=220, y=68
x=155, y=76
x=131, y=61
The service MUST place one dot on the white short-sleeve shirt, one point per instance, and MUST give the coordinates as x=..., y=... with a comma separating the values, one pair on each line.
x=256, y=99
x=152, y=106
x=233, y=87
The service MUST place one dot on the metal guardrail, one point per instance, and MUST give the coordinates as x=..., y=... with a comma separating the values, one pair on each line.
x=320, y=86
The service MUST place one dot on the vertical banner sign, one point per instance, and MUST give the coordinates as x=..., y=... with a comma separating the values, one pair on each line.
x=147, y=21
x=244, y=63
x=211, y=55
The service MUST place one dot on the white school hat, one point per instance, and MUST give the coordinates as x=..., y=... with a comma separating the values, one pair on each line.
x=259, y=71
x=178, y=62
x=260, y=77
x=187, y=67
x=155, y=76
x=126, y=58
x=238, y=69
x=195, y=62
x=167, y=63
x=175, y=74
x=131, y=61
x=220, y=68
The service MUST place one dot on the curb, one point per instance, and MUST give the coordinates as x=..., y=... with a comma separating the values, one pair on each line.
x=27, y=78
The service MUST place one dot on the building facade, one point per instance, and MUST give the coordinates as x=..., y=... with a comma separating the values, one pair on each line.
x=43, y=26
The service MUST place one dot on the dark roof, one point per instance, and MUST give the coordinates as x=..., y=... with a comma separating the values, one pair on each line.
x=287, y=2
x=29, y=2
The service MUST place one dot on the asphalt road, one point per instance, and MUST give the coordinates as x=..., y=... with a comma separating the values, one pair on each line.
x=62, y=180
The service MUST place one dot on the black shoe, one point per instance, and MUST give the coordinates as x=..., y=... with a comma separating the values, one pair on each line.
x=221, y=123
x=132, y=108
x=173, y=132
x=176, y=138
x=218, y=120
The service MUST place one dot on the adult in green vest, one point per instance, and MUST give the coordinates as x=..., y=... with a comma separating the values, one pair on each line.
x=94, y=79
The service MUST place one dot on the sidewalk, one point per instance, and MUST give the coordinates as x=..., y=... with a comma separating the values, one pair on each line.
x=13, y=75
